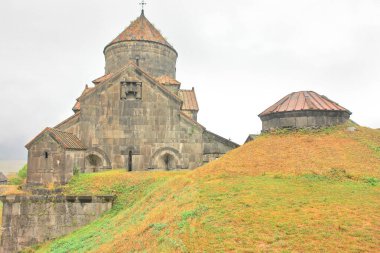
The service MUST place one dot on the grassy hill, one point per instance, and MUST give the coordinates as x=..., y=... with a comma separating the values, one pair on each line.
x=284, y=192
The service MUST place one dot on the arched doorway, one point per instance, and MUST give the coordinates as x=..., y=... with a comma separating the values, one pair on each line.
x=96, y=160
x=167, y=162
x=93, y=163
x=166, y=159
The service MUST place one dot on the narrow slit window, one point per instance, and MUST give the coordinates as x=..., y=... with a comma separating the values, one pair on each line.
x=46, y=155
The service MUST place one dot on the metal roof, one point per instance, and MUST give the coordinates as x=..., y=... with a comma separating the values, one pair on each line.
x=66, y=140
x=304, y=101
x=189, y=100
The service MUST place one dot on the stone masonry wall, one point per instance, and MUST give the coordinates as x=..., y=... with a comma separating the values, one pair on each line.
x=215, y=146
x=144, y=126
x=155, y=58
x=302, y=119
x=28, y=220
x=42, y=169
x=49, y=163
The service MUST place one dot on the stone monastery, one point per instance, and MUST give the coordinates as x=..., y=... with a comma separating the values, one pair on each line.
x=135, y=117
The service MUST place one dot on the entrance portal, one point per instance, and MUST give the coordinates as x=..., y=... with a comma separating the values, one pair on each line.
x=93, y=163
x=166, y=158
x=167, y=162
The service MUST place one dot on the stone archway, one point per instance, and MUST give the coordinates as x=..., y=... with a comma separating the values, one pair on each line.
x=93, y=163
x=96, y=160
x=166, y=159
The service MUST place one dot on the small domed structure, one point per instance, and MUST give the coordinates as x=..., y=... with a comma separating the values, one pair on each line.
x=142, y=43
x=303, y=109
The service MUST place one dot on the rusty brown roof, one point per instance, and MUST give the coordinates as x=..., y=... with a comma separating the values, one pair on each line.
x=66, y=140
x=304, y=101
x=137, y=68
x=102, y=78
x=189, y=100
x=167, y=80
x=76, y=107
x=142, y=30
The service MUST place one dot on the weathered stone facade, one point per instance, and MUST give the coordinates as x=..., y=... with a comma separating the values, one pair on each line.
x=304, y=119
x=28, y=220
x=136, y=117
x=155, y=58
x=50, y=160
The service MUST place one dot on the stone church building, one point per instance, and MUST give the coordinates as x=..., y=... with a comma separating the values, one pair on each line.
x=135, y=117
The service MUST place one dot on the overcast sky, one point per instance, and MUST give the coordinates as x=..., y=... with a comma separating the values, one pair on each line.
x=241, y=56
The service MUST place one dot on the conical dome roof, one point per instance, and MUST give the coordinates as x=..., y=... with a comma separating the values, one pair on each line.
x=304, y=101
x=141, y=30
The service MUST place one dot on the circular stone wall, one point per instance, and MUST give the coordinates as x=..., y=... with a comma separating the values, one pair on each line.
x=154, y=58
x=303, y=119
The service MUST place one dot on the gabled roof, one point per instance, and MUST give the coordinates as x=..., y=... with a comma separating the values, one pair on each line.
x=3, y=178
x=141, y=30
x=167, y=80
x=76, y=107
x=189, y=119
x=66, y=140
x=102, y=78
x=227, y=142
x=251, y=137
x=141, y=72
x=303, y=101
x=189, y=100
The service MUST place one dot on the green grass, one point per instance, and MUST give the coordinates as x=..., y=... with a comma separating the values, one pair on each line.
x=20, y=176
x=288, y=192
x=230, y=213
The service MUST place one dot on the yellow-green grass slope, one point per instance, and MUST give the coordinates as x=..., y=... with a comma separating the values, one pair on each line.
x=284, y=192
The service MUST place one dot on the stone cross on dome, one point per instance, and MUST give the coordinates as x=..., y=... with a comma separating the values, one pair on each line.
x=143, y=3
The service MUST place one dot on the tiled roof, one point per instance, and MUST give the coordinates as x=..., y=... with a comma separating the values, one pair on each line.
x=76, y=107
x=167, y=80
x=141, y=29
x=189, y=100
x=66, y=140
x=138, y=69
x=3, y=178
x=102, y=78
x=304, y=101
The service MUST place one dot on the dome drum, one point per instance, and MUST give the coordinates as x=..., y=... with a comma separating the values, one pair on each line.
x=155, y=58
x=303, y=119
